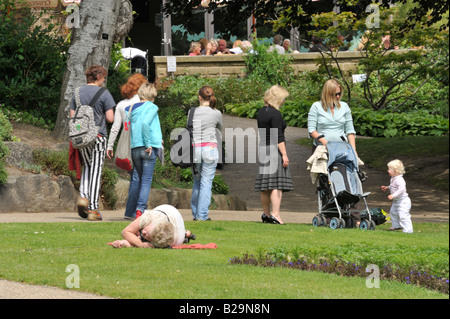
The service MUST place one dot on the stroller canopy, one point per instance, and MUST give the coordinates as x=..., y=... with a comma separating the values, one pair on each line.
x=342, y=152
x=129, y=53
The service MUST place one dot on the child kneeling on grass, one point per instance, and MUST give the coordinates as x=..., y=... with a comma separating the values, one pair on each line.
x=401, y=203
x=162, y=227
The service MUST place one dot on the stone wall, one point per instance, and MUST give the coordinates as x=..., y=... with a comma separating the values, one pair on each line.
x=33, y=193
x=231, y=64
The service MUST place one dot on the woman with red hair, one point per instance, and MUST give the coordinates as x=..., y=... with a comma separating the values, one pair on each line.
x=129, y=92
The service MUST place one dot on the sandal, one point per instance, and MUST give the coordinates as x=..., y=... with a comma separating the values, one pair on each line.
x=191, y=236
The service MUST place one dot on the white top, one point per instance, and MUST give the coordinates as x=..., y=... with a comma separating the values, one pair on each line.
x=397, y=187
x=119, y=118
x=277, y=47
x=161, y=213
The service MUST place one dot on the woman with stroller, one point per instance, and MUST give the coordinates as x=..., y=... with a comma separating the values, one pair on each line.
x=331, y=117
x=274, y=176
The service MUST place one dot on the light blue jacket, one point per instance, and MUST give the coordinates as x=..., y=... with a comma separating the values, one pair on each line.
x=145, y=125
x=332, y=126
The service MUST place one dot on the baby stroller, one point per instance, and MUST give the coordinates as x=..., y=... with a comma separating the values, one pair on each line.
x=340, y=189
x=138, y=60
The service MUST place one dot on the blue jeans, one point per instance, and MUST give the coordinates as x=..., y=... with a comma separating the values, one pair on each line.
x=142, y=177
x=130, y=210
x=206, y=159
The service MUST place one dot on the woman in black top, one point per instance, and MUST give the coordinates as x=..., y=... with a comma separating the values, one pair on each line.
x=274, y=176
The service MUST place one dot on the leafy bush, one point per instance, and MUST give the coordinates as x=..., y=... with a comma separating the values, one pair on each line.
x=269, y=67
x=183, y=90
x=387, y=124
x=5, y=135
x=32, y=63
x=4, y=151
x=118, y=72
x=5, y=127
x=367, y=122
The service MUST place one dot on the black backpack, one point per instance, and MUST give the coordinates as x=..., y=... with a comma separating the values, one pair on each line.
x=182, y=151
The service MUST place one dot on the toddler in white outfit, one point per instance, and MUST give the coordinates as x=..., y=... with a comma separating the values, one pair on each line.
x=401, y=203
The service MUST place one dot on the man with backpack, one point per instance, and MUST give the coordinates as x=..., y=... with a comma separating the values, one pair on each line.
x=93, y=147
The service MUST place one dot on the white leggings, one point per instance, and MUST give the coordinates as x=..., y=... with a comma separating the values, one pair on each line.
x=400, y=216
x=93, y=159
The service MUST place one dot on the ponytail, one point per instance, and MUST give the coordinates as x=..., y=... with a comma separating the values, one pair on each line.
x=207, y=94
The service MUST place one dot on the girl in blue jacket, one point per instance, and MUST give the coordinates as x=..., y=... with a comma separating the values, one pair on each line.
x=146, y=144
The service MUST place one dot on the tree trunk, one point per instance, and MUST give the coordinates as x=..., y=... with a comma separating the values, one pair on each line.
x=91, y=43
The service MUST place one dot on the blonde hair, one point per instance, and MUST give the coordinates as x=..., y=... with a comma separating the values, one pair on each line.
x=214, y=42
x=397, y=166
x=162, y=235
x=237, y=43
x=275, y=96
x=194, y=46
x=329, y=94
x=147, y=91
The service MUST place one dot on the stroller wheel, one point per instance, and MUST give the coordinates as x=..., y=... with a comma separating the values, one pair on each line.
x=342, y=223
x=367, y=225
x=315, y=221
x=335, y=223
x=323, y=220
x=350, y=223
x=364, y=225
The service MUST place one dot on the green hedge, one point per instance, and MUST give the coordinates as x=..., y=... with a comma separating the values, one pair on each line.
x=386, y=124
x=5, y=135
x=367, y=122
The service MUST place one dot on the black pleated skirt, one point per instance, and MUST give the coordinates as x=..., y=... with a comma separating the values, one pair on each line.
x=273, y=177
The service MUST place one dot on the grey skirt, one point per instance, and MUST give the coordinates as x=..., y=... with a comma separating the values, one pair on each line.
x=273, y=176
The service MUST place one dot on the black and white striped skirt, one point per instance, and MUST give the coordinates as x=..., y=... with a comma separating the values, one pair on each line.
x=273, y=176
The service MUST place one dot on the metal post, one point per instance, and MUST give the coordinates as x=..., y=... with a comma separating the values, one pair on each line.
x=209, y=26
x=166, y=33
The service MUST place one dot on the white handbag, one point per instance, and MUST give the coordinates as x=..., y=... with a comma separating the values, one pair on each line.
x=123, y=151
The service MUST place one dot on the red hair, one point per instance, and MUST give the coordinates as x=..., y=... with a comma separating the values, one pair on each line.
x=129, y=89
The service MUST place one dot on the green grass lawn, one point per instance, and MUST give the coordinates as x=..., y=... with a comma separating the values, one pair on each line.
x=39, y=253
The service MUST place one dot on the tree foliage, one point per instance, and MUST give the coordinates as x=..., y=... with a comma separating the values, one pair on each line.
x=298, y=13
x=32, y=61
